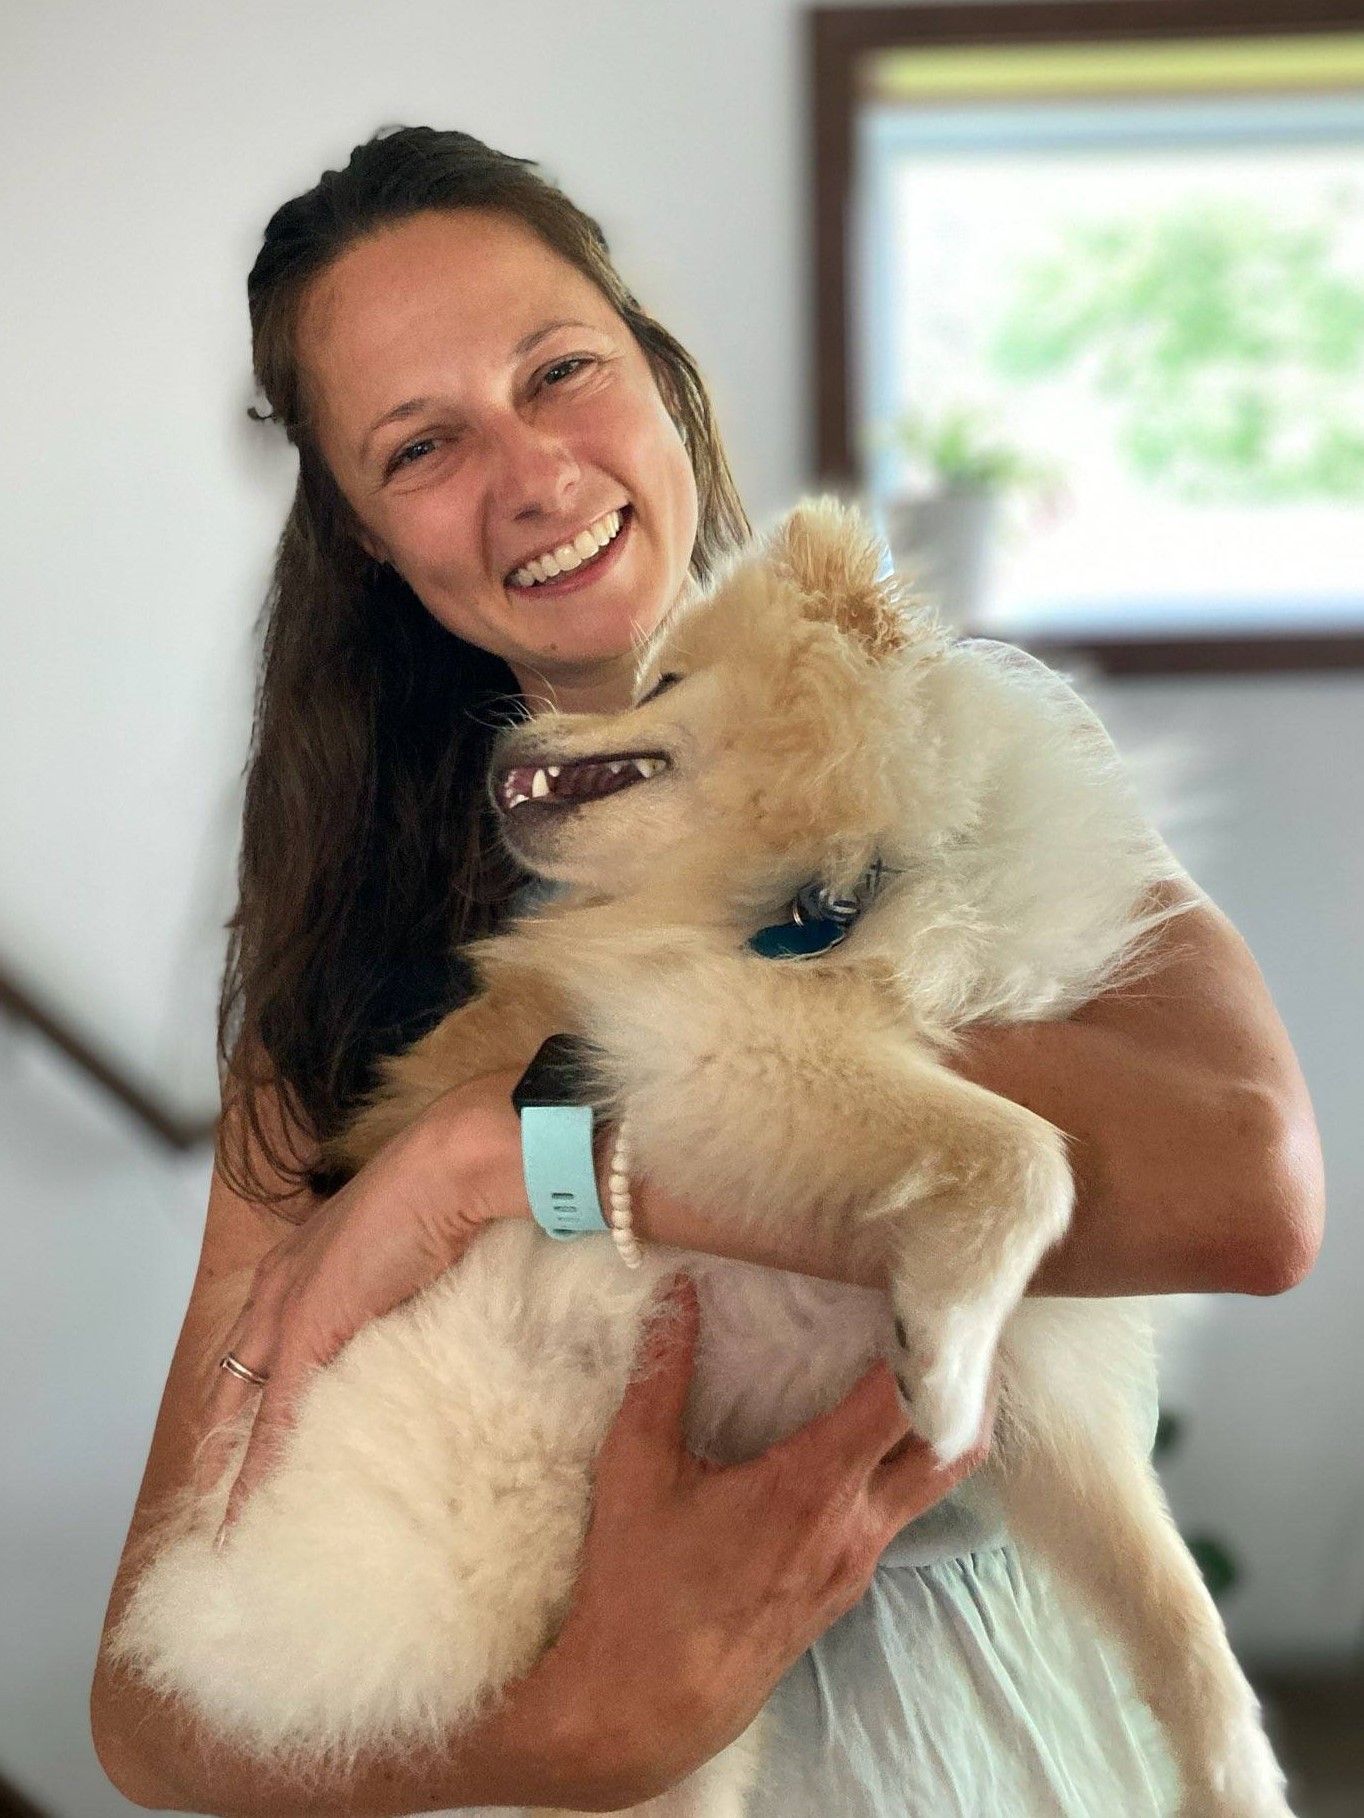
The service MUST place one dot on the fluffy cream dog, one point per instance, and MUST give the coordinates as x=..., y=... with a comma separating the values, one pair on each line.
x=415, y=1549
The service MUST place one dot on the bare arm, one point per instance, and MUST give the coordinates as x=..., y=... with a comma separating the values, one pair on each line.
x=154, y=1754
x=1197, y=1162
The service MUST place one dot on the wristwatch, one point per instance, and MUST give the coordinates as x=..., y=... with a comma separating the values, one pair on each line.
x=554, y=1099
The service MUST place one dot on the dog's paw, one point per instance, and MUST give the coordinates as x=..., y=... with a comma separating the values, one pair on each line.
x=942, y=1365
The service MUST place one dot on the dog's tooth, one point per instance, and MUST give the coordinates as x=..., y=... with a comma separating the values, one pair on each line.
x=539, y=785
x=617, y=766
x=553, y=769
x=515, y=798
x=645, y=766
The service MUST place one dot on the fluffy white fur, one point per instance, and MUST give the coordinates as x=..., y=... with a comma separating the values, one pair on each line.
x=415, y=1549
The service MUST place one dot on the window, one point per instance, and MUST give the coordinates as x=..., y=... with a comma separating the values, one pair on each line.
x=1102, y=320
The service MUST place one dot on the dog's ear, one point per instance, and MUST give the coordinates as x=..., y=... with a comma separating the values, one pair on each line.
x=838, y=565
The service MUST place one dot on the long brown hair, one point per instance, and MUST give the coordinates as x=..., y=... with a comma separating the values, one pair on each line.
x=367, y=842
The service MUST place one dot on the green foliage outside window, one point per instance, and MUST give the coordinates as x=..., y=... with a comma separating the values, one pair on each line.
x=1230, y=344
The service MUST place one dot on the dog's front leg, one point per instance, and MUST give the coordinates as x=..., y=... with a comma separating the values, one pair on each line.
x=499, y=1030
x=772, y=1092
x=976, y=1191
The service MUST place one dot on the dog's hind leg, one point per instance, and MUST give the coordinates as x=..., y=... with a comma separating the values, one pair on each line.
x=1079, y=1492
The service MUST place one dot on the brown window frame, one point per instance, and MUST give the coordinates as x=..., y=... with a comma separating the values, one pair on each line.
x=837, y=39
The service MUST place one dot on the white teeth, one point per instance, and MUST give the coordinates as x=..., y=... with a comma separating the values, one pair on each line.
x=553, y=769
x=515, y=798
x=568, y=556
x=539, y=785
x=616, y=768
x=648, y=767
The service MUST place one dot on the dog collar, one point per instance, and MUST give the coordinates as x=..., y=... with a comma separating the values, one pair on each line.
x=816, y=919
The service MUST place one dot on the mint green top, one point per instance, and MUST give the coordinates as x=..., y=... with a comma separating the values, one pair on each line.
x=960, y=1686
x=961, y=1689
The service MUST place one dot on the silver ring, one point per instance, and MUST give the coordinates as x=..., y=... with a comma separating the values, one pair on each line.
x=236, y=1367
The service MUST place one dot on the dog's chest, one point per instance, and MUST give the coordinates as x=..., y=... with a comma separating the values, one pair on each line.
x=775, y=1349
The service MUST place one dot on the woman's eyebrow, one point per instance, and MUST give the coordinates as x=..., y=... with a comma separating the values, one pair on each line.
x=411, y=407
x=534, y=338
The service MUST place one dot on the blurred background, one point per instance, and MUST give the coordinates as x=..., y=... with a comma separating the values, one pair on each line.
x=1080, y=307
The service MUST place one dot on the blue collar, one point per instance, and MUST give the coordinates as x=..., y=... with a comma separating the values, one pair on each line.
x=816, y=919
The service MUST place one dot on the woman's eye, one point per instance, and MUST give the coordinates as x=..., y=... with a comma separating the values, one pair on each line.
x=405, y=457
x=565, y=368
x=661, y=686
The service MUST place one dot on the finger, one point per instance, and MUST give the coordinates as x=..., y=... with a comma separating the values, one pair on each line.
x=855, y=1434
x=252, y=1339
x=912, y=1478
x=226, y=1410
x=273, y=1423
x=656, y=1395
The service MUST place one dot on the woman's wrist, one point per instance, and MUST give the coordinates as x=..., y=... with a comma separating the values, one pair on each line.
x=476, y=1153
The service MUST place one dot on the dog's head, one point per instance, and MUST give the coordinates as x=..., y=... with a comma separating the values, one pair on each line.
x=774, y=737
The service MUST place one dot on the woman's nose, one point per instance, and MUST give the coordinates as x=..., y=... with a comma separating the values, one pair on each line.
x=537, y=470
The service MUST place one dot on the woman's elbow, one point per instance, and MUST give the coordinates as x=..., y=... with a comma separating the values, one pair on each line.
x=1280, y=1207
x=125, y=1769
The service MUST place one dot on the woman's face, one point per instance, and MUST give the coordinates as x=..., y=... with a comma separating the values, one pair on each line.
x=481, y=406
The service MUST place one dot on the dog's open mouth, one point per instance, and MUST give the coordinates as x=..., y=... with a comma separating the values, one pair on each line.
x=586, y=780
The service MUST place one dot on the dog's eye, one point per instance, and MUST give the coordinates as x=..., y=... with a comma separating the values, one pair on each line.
x=661, y=686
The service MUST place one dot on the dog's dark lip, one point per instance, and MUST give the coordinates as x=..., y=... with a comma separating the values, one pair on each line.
x=570, y=782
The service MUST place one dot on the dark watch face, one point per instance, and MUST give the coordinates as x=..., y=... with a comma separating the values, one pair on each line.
x=560, y=1074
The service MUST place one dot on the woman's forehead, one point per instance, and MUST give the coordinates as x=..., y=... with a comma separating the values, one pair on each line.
x=429, y=300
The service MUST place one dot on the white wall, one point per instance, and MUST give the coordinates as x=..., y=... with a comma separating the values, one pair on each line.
x=142, y=147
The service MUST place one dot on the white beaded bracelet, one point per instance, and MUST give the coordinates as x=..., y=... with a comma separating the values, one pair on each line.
x=622, y=1229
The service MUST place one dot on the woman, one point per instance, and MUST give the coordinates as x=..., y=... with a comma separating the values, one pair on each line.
x=470, y=387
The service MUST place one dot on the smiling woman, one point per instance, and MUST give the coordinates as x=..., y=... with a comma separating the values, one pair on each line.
x=478, y=401
x=519, y=441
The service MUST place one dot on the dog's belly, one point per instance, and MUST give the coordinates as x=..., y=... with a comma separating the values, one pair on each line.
x=775, y=1349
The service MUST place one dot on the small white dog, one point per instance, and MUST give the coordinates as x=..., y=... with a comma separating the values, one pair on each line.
x=801, y=724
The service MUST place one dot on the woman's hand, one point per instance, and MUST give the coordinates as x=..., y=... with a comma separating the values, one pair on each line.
x=404, y=1219
x=701, y=1584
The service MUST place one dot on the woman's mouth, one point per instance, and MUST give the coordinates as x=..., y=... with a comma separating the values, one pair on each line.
x=577, y=563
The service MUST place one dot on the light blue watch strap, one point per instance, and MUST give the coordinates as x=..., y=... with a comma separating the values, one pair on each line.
x=561, y=1180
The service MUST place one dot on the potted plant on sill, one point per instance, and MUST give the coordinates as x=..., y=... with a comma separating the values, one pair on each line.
x=944, y=524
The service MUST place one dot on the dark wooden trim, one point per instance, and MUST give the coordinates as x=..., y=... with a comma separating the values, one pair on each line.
x=837, y=38
x=13, y=1804
x=1309, y=652
x=167, y=1126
